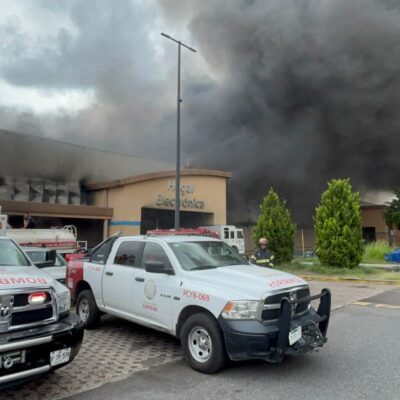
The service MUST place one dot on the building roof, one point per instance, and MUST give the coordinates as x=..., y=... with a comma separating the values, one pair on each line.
x=31, y=156
x=157, y=175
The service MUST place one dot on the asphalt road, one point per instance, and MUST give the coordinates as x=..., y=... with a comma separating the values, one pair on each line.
x=360, y=362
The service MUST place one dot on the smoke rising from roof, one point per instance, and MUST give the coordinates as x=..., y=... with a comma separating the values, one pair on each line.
x=293, y=92
x=310, y=90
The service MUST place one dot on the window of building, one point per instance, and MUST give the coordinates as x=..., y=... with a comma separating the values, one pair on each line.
x=369, y=234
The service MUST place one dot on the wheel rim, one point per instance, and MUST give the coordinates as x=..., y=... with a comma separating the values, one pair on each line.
x=84, y=310
x=200, y=344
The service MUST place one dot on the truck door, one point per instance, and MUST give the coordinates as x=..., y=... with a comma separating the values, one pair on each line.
x=94, y=268
x=119, y=275
x=154, y=291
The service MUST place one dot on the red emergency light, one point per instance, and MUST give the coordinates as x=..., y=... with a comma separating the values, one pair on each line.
x=183, y=231
x=37, y=298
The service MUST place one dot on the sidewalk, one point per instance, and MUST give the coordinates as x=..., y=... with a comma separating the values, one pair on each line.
x=344, y=293
x=388, y=267
x=349, y=279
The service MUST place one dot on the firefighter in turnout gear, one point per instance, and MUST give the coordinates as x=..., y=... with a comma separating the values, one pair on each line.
x=263, y=256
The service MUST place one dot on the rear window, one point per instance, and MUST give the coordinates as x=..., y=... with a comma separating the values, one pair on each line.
x=101, y=253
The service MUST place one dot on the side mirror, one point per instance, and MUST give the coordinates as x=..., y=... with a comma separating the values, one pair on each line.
x=158, y=267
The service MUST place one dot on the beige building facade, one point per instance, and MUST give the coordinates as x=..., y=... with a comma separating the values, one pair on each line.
x=147, y=201
x=374, y=226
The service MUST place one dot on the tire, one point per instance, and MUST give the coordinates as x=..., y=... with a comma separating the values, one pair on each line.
x=207, y=356
x=87, y=309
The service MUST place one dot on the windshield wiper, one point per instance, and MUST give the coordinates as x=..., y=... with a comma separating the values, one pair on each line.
x=203, y=267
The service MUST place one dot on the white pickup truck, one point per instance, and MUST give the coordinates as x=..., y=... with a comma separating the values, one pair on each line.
x=37, y=332
x=202, y=291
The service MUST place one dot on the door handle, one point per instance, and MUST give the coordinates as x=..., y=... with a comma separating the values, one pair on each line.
x=109, y=273
x=139, y=279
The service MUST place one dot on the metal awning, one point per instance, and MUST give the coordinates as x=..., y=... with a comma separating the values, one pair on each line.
x=55, y=210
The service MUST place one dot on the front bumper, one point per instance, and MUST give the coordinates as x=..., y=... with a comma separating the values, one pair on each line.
x=26, y=354
x=254, y=339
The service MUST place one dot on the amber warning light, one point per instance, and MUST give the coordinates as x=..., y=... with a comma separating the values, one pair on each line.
x=37, y=298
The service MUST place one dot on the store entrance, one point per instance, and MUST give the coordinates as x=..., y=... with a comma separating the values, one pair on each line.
x=153, y=218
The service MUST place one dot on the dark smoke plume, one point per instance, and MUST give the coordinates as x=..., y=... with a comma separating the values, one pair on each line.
x=306, y=90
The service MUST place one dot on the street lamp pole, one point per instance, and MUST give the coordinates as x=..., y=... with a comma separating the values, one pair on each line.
x=178, y=132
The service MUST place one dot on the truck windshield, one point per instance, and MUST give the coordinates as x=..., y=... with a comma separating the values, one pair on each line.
x=206, y=255
x=11, y=255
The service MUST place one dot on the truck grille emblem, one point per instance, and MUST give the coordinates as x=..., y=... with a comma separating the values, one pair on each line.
x=6, y=306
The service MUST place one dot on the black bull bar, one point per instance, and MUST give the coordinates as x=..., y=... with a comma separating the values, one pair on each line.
x=317, y=334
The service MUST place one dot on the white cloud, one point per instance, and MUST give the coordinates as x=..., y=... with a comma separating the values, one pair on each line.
x=43, y=101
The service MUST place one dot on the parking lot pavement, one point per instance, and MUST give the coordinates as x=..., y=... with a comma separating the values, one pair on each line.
x=112, y=352
x=347, y=292
x=119, y=348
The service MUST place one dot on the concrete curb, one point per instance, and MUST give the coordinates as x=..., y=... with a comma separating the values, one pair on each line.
x=349, y=279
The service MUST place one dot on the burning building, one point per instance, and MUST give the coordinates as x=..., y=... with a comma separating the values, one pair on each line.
x=64, y=184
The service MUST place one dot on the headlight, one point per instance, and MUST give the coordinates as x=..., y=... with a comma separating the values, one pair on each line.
x=240, y=310
x=64, y=303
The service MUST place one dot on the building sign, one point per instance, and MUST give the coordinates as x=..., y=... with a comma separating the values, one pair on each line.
x=185, y=189
x=193, y=203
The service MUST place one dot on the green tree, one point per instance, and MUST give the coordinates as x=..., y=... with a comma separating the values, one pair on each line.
x=339, y=240
x=392, y=212
x=274, y=223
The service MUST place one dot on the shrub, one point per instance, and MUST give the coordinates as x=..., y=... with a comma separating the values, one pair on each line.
x=375, y=251
x=274, y=223
x=339, y=241
x=392, y=212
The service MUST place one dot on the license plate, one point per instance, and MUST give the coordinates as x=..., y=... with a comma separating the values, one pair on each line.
x=60, y=356
x=295, y=335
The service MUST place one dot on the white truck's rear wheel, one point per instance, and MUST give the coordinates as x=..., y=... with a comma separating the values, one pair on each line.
x=87, y=309
x=203, y=343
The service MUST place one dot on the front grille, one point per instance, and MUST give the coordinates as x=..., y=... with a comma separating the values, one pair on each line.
x=21, y=299
x=21, y=314
x=271, y=309
x=28, y=317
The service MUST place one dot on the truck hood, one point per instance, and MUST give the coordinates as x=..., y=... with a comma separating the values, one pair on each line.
x=25, y=277
x=248, y=282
